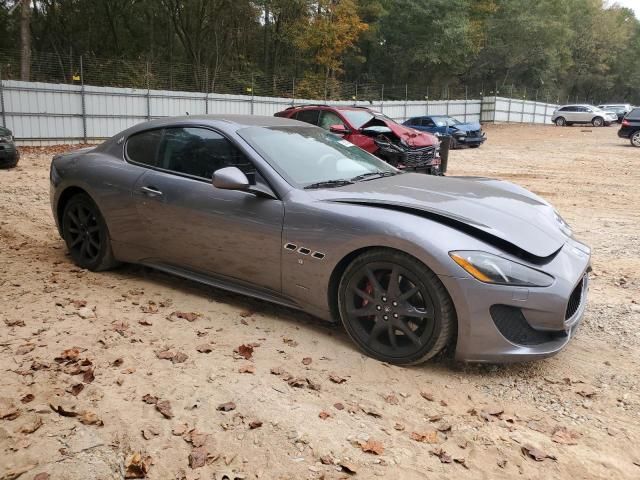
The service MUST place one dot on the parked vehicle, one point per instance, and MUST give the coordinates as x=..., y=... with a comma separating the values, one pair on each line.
x=402, y=147
x=470, y=133
x=9, y=153
x=292, y=214
x=630, y=127
x=620, y=109
x=567, y=115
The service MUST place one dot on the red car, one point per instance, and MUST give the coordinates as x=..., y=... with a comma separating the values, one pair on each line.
x=401, y=146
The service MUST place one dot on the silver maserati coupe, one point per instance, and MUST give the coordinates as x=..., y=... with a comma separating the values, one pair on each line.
x=289, y=213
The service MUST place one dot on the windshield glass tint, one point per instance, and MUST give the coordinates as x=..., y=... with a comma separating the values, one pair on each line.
x=357, y=118
x=308, y=155
x=444, y=121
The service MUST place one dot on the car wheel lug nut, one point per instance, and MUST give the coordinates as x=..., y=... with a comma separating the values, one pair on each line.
x=395, y=315
x=378, y=307
x=384, y=299
x=385, y=317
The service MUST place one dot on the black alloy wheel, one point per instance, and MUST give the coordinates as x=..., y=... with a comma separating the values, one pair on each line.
x=395, y=308
x=86, y=235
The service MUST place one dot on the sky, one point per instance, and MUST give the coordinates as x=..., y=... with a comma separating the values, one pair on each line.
x=632, y=4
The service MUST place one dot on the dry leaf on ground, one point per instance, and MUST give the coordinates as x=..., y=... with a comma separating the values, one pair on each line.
x=565, y=436
x=425, y=437
x=247, y=369
x=226, y=407
x=372, y=446
x=442, y=455
x=245, y=351
x=164, y=407
x=137, y=466
x=324, y=414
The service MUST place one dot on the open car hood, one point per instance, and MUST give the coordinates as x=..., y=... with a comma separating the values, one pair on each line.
x=412, y=137
x=501, y=210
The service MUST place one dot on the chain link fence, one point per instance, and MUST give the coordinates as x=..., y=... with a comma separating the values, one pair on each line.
x=142, y=74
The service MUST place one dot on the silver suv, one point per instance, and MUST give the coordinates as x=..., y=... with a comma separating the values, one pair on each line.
x=570, y=114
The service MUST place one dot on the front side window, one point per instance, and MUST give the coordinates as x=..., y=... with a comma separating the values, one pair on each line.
x=199, y=152
x=328, y=119
x=307, y=155
x=143, y=147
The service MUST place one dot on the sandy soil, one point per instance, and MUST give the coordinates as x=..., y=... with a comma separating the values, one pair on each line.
x=137, y=389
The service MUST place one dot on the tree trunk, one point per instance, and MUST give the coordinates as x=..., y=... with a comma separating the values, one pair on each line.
x=25, y=40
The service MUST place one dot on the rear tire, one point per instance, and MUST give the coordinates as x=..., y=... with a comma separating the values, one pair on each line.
x=395, y=308
x=86, y=235
x=560, y=122
x=597, y=122
x=635, y=138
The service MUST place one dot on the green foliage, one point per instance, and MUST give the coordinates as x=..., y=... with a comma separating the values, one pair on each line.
x=569, y=48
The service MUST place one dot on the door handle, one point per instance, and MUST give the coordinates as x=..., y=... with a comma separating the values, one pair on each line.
x=151, y=192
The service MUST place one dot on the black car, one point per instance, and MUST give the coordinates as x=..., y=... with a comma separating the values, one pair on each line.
x=9, y=154
x=630, y=127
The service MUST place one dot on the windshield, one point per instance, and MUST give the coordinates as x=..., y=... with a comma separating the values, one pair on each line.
x=445, y=121
x=308, y=155
x=357, y=118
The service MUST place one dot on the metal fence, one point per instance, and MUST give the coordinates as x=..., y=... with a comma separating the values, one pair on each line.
x=44, y=113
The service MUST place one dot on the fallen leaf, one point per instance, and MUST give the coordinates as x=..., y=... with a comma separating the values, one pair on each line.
x=90, y=418
x=120, y=327
x=27, y=398
x=69, y=354
x=75, y=389
x=24, y=349
x=33, y=422
x=150, y=307
x=586, y=392
x=338, y=406
x=146, y=322
x=442, y=455
x=164, y=407
x=348, y=467
x=536, y=454
x=188, y=316
x=427, y=396
x=196, y=438
x=137, y=466
x=372, y=446
x=226, y=407
x=247, y=369
x=245, y=351
x=255, y=424
x=204, y=348
x=88, y=376
x=150, y=399
x=306, y=361
x=324, y=415
x=198, y=457
x=565, y=436
x=425, y=437
x=337, y=379
x=179, y=430
x=391, y=399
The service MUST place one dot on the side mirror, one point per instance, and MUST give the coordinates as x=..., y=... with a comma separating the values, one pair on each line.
x=340, y=129
x=230, y=178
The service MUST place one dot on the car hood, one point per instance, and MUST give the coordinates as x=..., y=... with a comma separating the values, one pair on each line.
x=467, y=127
x=412, y=137
x=502, y=210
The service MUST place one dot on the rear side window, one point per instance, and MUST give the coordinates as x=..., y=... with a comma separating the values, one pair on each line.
x=143, y=147
x=568, y=109
x=635, y=114
x=200, y=152
x=308, y=116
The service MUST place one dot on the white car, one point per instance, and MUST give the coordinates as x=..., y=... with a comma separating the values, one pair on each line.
x=570, y=114
x=621, y=109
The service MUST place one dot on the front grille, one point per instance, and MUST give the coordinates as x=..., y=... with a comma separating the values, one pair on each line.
x=418, y=157
x=515, y=328
x=574, y=300
x=474, y=133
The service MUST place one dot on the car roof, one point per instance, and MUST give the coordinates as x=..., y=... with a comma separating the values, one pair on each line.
x=333, y=107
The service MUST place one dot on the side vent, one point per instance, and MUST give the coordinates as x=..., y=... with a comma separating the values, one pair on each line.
x=290, y=246
x=318, y=255
x=304, y=251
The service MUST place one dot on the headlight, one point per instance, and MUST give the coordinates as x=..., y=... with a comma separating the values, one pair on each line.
x=7, y=138
x=490, y=268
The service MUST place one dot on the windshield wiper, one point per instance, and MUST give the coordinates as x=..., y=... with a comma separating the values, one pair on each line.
x=329, y=184
x=365, y=176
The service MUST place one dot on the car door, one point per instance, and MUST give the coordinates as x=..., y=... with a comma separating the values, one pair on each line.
x=192, y=225
x=584, y=114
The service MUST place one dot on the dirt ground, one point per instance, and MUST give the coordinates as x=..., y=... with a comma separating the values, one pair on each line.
x=100, y=379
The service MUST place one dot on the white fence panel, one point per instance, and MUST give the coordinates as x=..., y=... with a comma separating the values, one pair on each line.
x=49, y=113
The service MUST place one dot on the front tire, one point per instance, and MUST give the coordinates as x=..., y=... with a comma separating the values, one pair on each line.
x=597, y=122
x=85, y=233
x=560, y=122
x=395, y=308
x=635, y=138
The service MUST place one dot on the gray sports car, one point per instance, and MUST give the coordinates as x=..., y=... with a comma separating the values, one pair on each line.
x=289, y=213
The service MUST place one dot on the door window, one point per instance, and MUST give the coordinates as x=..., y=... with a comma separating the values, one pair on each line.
x=328, y=119
x=200, y=152
x=308, y=116
x=143, y=147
